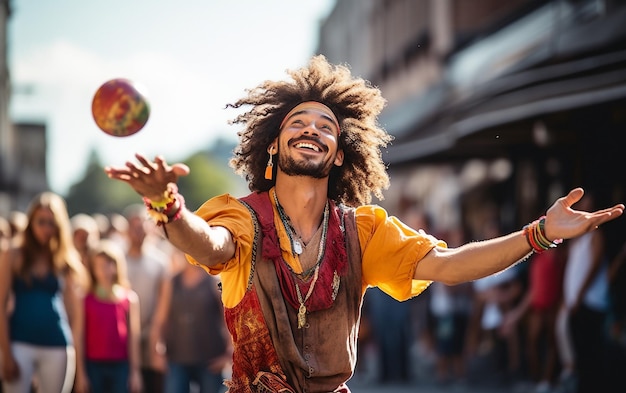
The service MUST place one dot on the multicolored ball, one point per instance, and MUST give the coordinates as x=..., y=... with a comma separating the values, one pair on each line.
x=119, y=108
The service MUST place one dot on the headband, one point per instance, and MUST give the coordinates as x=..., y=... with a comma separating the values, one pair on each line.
x=315, y=106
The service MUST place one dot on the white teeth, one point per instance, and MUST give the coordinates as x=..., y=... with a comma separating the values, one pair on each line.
x=307, y=146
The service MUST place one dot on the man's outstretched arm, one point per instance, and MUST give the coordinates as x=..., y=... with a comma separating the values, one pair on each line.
x=483, y=258
x=185, y=230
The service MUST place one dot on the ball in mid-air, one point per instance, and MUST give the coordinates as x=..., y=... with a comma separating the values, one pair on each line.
x=119, y=108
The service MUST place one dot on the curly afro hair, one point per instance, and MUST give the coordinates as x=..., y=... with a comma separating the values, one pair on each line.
x=355, y=103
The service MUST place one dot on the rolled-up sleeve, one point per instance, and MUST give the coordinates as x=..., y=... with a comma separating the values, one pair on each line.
x=391, y=251
x=226, y=211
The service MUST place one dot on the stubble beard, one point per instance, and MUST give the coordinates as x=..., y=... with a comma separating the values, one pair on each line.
x=291, y=167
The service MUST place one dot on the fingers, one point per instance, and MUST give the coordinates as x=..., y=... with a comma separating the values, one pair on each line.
x=144, y=166
x=617, y=209
x=131, y=169
x=600, y=217
x=574, y=196
x=118, y=173
x=147, y=165
x=141, y=158
x=160, y=161
x=134, y=170
x=605, y=215
x=180, y=169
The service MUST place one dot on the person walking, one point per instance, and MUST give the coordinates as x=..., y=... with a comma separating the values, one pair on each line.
x=297, y=254
x=40, y=340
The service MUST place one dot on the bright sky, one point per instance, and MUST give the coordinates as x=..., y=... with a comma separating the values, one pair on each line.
x=192, y=57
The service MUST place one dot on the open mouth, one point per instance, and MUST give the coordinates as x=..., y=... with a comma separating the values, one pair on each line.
x=307, y=146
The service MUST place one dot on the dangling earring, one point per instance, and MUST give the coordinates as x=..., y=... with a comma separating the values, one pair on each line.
x=270, y=165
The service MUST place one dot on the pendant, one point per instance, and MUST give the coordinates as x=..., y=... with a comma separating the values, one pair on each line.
x=301, y=316
x=297, y=247
x=336, y=282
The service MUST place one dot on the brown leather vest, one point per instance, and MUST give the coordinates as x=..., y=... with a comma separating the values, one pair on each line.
x=321, y=356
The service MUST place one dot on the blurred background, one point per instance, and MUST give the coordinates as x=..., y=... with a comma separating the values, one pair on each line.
x=497, y=109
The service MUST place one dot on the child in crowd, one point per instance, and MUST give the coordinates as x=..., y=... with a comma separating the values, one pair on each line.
x=112, y=324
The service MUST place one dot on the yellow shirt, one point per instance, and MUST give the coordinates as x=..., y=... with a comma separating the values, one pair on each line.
x=390, y=250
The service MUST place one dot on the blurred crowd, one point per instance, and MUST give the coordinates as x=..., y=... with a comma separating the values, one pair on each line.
x=146, y=320
x=554, y=323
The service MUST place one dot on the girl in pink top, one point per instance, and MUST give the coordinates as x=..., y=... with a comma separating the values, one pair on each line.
x=112, y=324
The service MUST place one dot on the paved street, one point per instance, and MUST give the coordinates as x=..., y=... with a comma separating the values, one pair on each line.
x=423, y=388
x=484, y=376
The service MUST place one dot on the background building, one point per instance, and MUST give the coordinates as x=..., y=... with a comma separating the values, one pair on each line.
x=22, y=146
x=7, y=136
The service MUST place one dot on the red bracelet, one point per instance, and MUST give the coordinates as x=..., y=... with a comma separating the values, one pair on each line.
x=536, y=237
x=167, y=210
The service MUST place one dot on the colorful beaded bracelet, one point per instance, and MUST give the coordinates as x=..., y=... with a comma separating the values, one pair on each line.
x=166, y=210
x=536, y=236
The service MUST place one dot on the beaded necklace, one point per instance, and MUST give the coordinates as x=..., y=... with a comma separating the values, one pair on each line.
x=320, y=256
x=294, y=239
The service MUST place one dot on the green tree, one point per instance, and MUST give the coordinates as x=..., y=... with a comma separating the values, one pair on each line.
x=95, y=192
x=208, y=178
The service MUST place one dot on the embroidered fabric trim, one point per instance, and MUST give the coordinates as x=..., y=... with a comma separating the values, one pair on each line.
x=257, y=233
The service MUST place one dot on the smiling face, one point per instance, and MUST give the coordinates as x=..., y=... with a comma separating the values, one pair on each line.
x=308, y=142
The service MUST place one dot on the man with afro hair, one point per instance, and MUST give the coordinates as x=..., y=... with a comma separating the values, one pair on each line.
x=297, y=254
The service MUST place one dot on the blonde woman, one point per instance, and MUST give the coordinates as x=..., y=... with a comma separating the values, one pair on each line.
x=112, y=323
x=39, y=339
